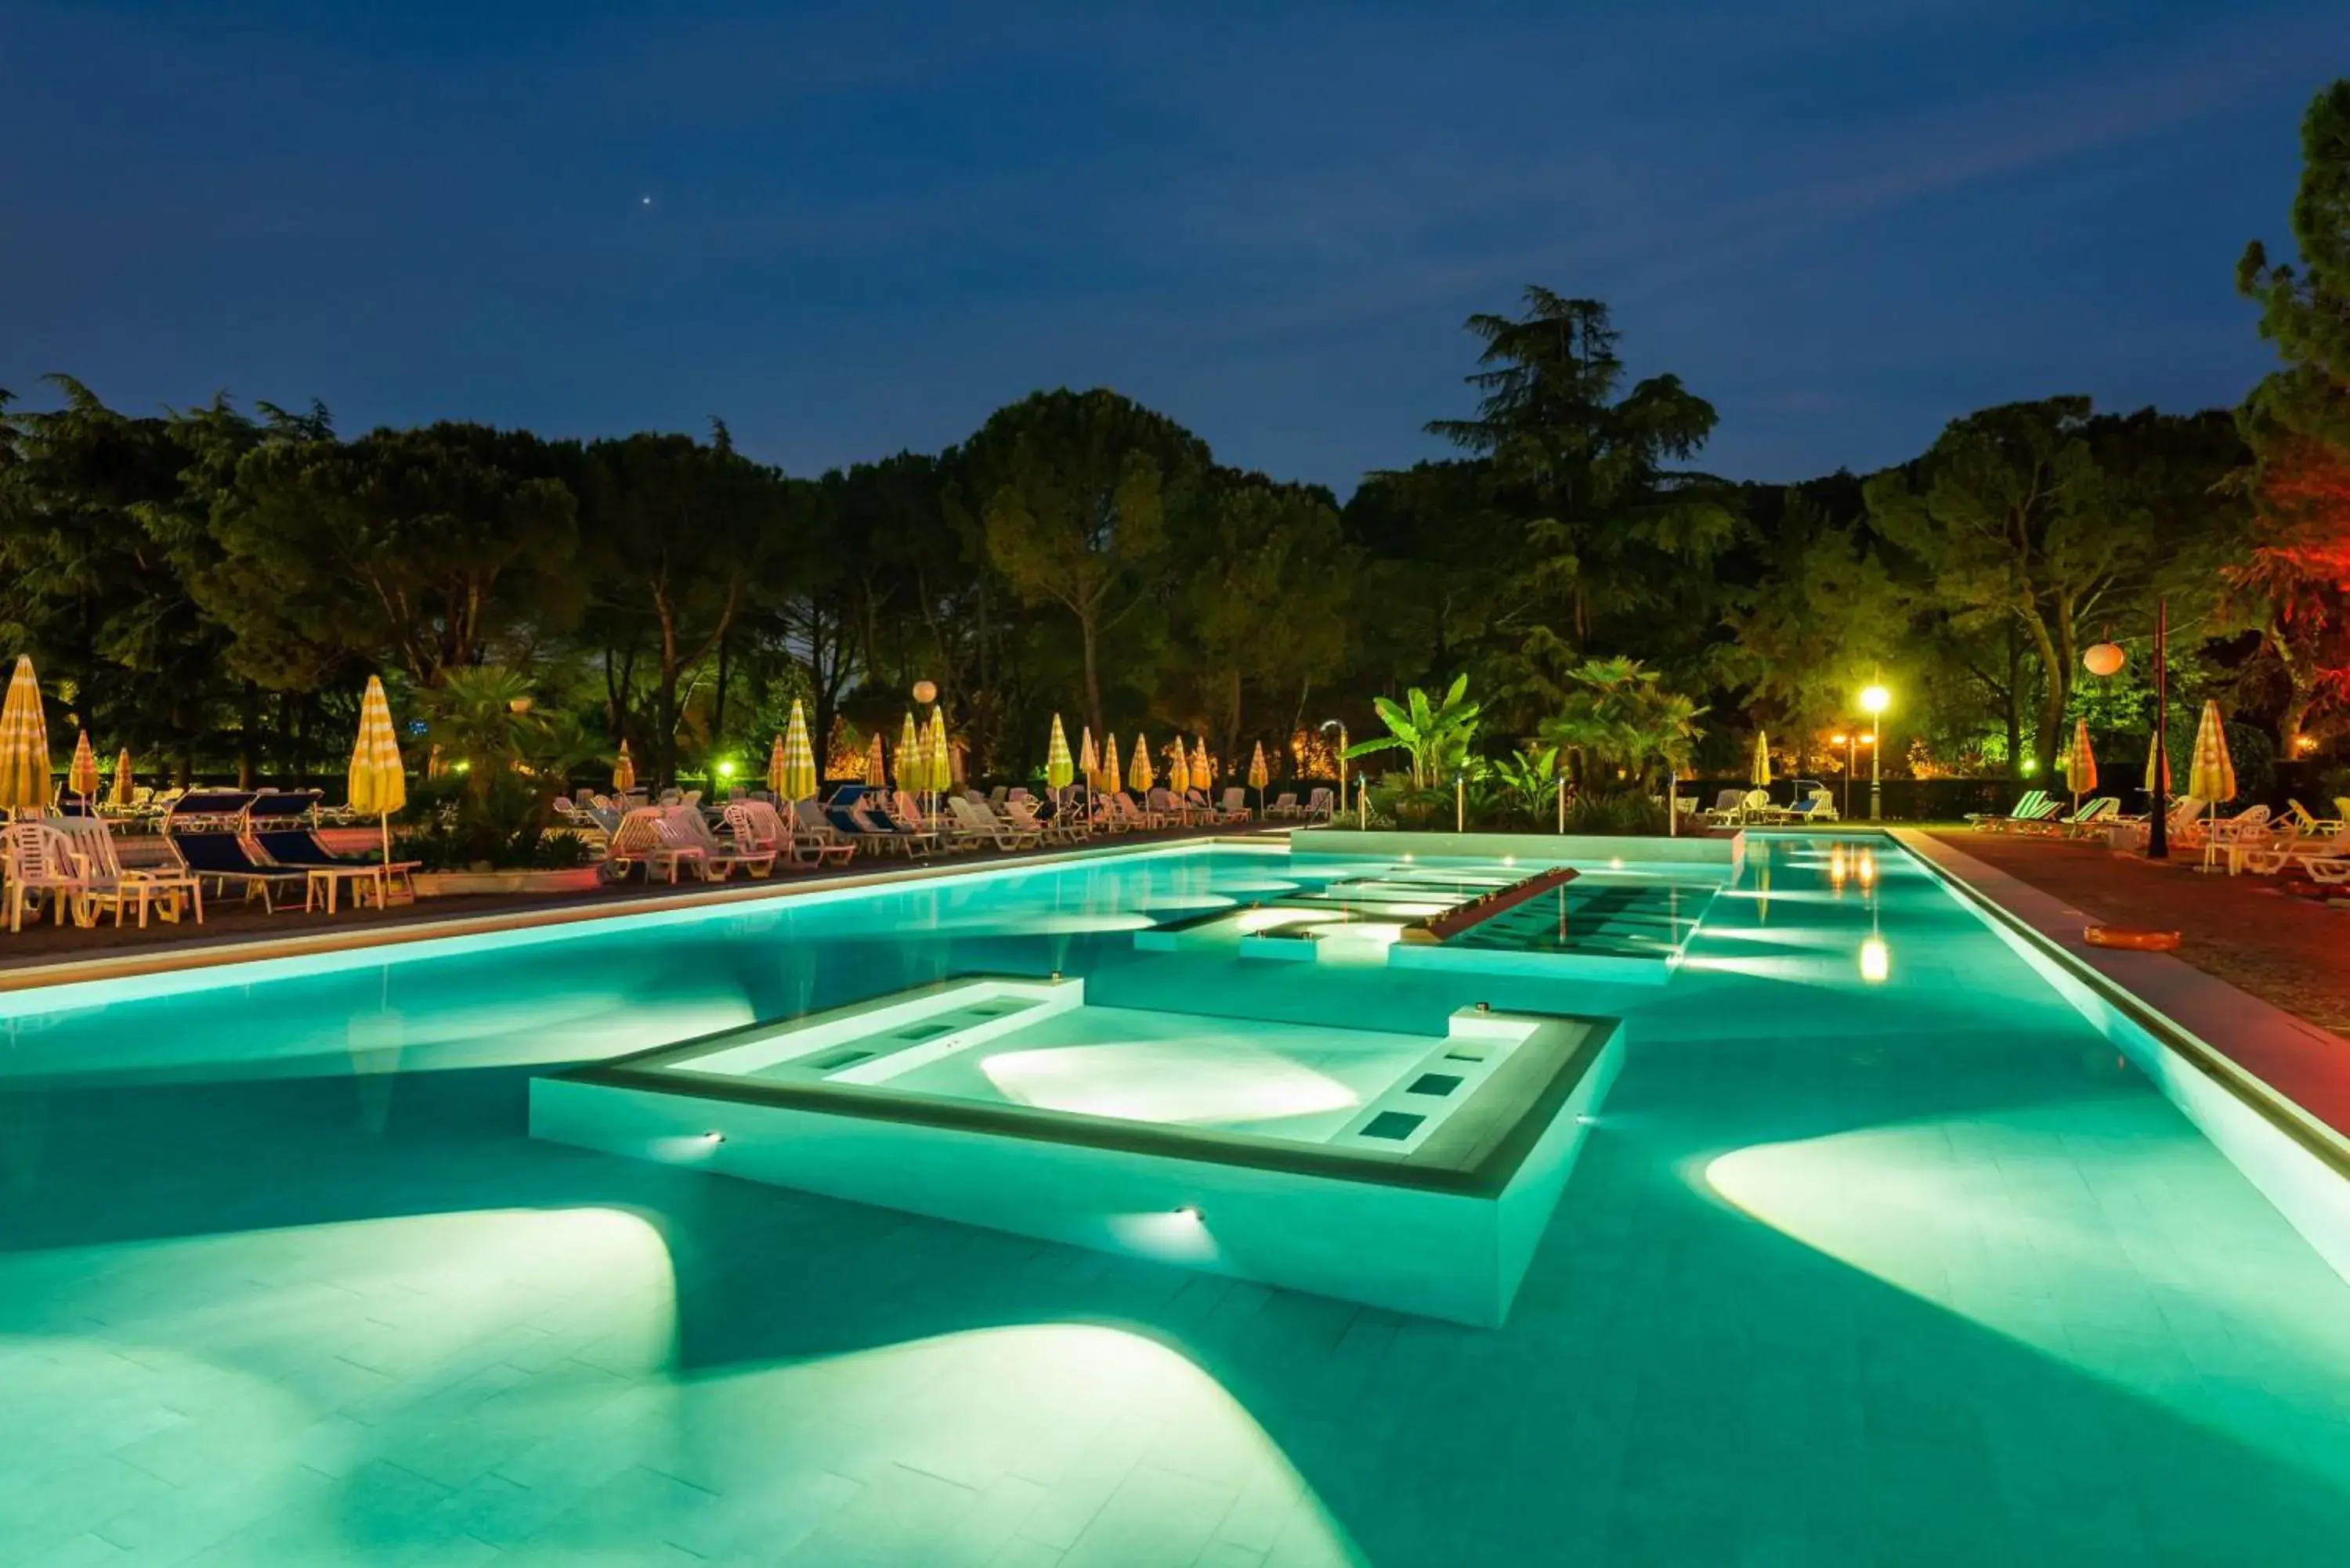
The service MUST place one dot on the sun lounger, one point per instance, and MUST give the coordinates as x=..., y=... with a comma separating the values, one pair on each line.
x=686, y=824
x=2030, y=800
x=1127, y=815
x=1284, y=806
x=222, y=859
x=640, y=841
x=813, y=833
x=165, y=891
x=978, y=825
x=39, y=862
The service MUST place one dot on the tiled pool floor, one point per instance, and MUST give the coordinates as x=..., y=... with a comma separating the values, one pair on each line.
x=1897, y=1290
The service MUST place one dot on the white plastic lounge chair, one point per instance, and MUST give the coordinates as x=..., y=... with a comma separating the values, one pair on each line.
x=641, y=840
x=2026, y=801
x=813, y=833
x=1129, y=815
x=39, y=861
x=1318, y=805
x=977, y=825
x=719, y=857
x=1283, y=805
x=165, y=890
x=1235, y=805
x=1065, y=828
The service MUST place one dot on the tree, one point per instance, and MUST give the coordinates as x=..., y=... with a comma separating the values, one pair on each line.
x=1826, y=616
x=430, y=546
x=1618, y=544
x=1077, y=487
x=674, y=533
x=2065, y=523
x=1264, y=606
x=2297, y=424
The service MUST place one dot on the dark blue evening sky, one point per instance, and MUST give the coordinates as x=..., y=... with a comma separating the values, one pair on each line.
x=869, y=225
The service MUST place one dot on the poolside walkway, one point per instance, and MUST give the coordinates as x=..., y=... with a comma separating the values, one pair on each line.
x=229, y=921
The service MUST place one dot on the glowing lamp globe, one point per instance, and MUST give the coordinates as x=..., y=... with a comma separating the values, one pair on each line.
x=2104, y=659
x=926, y=692
x=1876, y=700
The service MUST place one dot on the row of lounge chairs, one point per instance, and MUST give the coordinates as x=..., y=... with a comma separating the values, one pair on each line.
x=1813, y=801
x=259, y=843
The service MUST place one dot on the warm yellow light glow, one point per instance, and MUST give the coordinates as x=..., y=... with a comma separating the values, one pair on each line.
x=1836, y=740
x=1876, y=960
x=1875, y=699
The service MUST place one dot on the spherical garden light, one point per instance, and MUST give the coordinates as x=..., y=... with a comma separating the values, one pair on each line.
x=2104, y=659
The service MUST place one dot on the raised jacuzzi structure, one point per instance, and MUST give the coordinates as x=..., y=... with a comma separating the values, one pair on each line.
x=1408, y=1171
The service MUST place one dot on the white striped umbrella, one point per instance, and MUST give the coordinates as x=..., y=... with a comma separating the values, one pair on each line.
x=778, y=768
x=1138, y=776
x=123, y=780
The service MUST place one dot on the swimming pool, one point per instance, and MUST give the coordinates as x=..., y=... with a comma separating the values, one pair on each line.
x=1880, y=1249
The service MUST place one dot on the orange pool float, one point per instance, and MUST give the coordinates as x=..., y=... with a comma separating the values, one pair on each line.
x=2136, y=941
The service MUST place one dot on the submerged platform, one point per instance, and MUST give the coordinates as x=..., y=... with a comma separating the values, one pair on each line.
x=1620, y=923
x=1408, y=1171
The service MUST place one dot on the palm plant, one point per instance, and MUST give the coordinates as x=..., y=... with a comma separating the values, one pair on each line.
x=1617, y=714
x=1525, y=779
x=1434, y=736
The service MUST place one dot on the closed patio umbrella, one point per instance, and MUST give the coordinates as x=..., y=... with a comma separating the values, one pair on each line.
x=81, y=774
x=2213, y=775
x=778, y=768
x=799, y=758
x=1179, y=768
x=624, y=771
x=24, y=743
x=2080, y=765
x=121, y=795
x=1109, y=782
x=1138, y=776
x=913, y=760
x=2162, y=804
x=1760, y=776
x=1060, y=769
x=939, y=767
x=1203, y=770
x=1258, y=776
x=378, y=784
x=876, y=767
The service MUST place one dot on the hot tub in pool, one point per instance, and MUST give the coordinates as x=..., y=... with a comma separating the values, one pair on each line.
x=1411, y=1171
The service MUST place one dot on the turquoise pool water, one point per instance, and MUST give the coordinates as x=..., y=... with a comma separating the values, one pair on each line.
x=1880, y=1253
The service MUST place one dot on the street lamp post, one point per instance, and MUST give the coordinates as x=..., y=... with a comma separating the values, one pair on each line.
x=1847, y=742
x=1874, y=700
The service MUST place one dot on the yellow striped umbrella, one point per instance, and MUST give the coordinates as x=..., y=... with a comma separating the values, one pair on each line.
x=81, y=774
x=1089, y=758
x=378, y=784
x=1760, y=776
x=1060, y=771
x=912, y=761
x=2166, y=771
x=799, y=758
x=778, y=768
x=24, y=743
x=1258, y=776
x=1109, y=782
x=1203, y=766
x=2213, y=776
x=624, y=771
x=1179, y=767
x=940, y=763
x=1138, y=776
x=876, y=768
x=123, y=780
x=2080, y=763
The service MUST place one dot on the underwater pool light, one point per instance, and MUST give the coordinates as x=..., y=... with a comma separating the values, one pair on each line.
x=1191, y=1211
